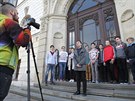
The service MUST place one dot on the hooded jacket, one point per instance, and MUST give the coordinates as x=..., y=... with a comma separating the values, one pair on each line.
x=11, y=37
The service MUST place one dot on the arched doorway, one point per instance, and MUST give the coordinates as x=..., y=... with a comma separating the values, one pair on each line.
x=91, y=21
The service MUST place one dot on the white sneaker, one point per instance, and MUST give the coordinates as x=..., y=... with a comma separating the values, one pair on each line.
x=97, y=82
x=71, y=80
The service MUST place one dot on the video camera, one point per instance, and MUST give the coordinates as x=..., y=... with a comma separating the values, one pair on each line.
x=32, y=22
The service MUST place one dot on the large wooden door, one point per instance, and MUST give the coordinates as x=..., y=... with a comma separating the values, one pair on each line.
x=95, y=24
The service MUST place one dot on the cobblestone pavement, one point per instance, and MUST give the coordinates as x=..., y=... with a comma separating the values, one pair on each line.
x=14, y=97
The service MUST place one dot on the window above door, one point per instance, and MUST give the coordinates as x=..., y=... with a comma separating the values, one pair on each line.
x=81, y=5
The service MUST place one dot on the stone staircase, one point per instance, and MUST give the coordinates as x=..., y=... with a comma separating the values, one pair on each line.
x=63, y=91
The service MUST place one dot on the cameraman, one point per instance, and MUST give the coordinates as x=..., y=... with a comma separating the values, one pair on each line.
x=12, y=36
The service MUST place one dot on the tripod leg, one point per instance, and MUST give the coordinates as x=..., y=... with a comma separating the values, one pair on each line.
x=28, y=72
x=36, y=70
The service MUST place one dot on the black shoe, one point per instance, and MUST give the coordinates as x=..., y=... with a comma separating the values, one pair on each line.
x=46, y=84
x=52, y=83
x=77, y=93
x=84, y=94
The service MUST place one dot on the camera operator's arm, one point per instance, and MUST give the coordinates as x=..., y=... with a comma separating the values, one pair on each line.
x=20, y=36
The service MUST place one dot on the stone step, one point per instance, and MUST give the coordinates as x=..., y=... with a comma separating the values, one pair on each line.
x=53, y=95
x=110, y=90
x=35, y=95
x=100, y=85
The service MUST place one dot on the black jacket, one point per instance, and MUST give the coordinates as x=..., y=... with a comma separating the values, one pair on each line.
x=130, y=51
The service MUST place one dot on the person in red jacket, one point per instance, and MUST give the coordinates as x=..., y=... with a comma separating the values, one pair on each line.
x=109, y=56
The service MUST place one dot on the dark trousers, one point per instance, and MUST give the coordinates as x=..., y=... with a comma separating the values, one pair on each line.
x=122, y=70
x=81, y=76
x=57, y=72
x=72, y=74
x=5, y=82
x=110, y=70
x=102, y=72
x=132, y=65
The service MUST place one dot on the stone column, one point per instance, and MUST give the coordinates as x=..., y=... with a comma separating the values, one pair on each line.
x=57, y=31
x=42, y=47
x=43, y=41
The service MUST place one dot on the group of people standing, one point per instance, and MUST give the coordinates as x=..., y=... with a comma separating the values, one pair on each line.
x=56, y=63
x=107, y=63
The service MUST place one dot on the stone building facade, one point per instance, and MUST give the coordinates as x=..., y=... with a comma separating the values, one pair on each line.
x=53, y=15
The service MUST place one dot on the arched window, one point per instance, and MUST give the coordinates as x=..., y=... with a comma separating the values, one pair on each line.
x=92, y=21
x=80, y=5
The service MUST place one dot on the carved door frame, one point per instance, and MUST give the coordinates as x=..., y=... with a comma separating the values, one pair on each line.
x=100, y=14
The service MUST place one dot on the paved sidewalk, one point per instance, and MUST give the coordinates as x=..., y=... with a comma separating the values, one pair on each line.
x=14, y=97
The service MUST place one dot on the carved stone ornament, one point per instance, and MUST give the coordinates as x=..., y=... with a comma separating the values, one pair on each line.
x=93, y=16
x=45, y=6
x=66, y=5
x=58, y=35
x=53, y=3
x=71, y=25
x=127, y=15
x=121, y=2
x=44, y=24
x=108, y=14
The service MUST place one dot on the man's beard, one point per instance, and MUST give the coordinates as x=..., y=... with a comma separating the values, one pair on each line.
x=14, y=18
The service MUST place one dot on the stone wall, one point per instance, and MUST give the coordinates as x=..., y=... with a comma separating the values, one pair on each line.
x=126, y=17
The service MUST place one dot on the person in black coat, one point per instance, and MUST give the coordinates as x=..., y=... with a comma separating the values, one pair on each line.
x=130, y=52
x=120, y=59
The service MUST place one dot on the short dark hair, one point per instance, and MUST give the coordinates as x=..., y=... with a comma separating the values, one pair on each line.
x=72, y=48
x=52, y=46
x=79, y=41
x=93, y=43
x=117, y=37
x=100, y=44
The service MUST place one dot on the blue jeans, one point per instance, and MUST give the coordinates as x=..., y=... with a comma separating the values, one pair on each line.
x=52, y=68
x=62, y=66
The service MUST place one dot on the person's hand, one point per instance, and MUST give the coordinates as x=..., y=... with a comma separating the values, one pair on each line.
x=112, y=61
x=23, y=38
x=104, y=64
x=78, y=65
x=127, y=61
x=93, y=61
x=27, y=32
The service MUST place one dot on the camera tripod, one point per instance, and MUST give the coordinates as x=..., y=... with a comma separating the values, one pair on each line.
x=30, y=45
